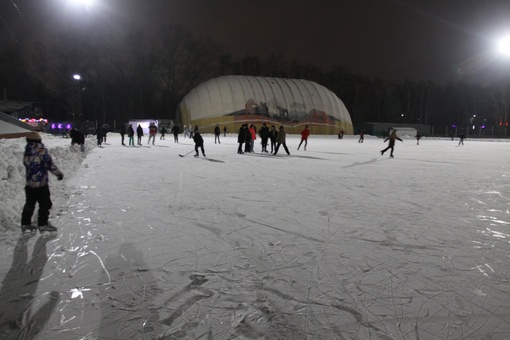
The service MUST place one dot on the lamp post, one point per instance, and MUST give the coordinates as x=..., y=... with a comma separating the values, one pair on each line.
x=503, y=49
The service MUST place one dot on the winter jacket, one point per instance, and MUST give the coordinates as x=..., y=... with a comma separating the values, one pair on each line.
x=280, y=138
x=392, y=138
x=253, y=133
x=153, y=130
x=139, y=131
x=76, y=137
x=241, y=137
x=264, y=132
x=197, y=138
x=176, y=129
x=305, y=133
x=37, y=162
x=123, y=129
x=272, y=134
x=130, y=132
x=217, y=131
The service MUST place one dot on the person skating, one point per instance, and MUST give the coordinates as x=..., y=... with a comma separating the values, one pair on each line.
x=361, y=136
x=304, y=137
x=217, y=133
x=37, y=162
x=100, y=135
x=225, y=131
x=280, y=140
x=264, y=136
x=163, y=132
x=153, y=131
x=391, y=145
x=131, y=135
x=139, y=134
x=175, y=132
x=199, y=142
x=462, y=136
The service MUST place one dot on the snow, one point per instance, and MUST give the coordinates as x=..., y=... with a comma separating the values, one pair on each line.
x=335, y=242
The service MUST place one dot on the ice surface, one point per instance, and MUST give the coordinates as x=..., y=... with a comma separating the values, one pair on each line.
x=336, y=242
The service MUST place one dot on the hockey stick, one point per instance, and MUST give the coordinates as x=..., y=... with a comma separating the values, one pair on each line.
x=186, y=154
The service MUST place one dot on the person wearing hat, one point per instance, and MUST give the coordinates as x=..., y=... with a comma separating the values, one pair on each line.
x=37, y=163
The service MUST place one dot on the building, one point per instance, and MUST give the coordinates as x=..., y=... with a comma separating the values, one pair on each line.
x=235, y=100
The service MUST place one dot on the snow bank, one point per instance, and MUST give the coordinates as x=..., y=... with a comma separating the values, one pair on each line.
x=12, y=173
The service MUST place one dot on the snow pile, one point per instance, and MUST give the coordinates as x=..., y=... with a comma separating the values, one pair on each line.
x=12, y=173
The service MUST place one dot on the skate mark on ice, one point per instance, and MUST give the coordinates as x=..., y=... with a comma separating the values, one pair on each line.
x=373, y=160
x=197, y=293
x=288, y=231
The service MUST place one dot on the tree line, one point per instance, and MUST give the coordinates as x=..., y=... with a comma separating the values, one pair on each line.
x=140, y=73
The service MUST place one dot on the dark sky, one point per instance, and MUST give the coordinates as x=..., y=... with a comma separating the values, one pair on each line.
x=439, y=40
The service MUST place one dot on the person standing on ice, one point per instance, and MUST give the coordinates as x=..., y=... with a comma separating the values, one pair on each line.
x=391, y=145
x=139, y=134
x=304, y=137
x=264, y=136
x=153, y=130
x=175, y=132
x=272, y=137
x=462, y=136
x=241, y=138
x=37, y=162
x=217, y=133
x=280, y=140
x=199, y=142
x=253, y=137
x=131, y=135
x=122, y=133
x=99, y=135
x=418, y=137
x=163, y=132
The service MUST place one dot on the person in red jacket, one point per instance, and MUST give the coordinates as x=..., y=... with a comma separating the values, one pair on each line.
x=304, y=137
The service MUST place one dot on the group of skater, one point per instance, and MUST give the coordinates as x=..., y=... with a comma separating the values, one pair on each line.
x=247, y=135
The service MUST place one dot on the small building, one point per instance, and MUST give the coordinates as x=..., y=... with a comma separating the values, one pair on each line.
x=381, y=129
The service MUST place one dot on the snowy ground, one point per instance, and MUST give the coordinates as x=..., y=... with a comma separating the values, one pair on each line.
x=336, y=242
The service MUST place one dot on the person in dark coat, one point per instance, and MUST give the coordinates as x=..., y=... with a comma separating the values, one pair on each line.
x=241, y=138
x=99, y=135
x=37, y=162
x=77, y=138
x=264, y=136
x=272, y=136
x=247, y=138
x=122, y=133
x=280, y=140
x=391, y=145
x=199, y=142
x=217, y=133
x=139, y=134
x=163, y=132
x=175, y=132
x=131, y=135
x=225, y=131
x=462, y=136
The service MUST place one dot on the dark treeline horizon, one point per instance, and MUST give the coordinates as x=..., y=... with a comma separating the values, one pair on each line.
x=140, y=73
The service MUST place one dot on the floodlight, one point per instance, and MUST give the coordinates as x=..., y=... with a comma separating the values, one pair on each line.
x=504, y=46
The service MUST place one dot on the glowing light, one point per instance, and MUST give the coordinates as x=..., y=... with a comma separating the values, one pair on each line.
x=83, y=2
x=504, y=46
x=76, y=77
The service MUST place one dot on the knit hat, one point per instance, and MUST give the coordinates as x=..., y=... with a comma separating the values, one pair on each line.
x=33, y=137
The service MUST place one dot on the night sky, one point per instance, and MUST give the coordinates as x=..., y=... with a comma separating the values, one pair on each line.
x=438, y=40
